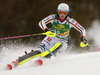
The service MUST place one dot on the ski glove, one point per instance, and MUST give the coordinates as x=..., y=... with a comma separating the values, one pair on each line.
x=50, y=29
x=83, y=39
x=46, y=30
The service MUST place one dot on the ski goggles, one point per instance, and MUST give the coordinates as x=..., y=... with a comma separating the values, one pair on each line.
x=62, y=12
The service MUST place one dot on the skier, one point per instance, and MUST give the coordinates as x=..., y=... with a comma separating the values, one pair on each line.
x=61, y=24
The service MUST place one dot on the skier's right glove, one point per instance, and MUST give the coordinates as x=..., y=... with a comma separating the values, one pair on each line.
x=50, y=32
x=50, y=29
x=46, y=30
x=83, y=39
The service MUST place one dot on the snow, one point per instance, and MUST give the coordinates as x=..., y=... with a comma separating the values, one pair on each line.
x=75, y=64
x=93, y=32
x=86, y=63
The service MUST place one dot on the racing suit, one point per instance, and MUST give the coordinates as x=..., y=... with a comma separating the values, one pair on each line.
x=62, y=33
x=62, y=30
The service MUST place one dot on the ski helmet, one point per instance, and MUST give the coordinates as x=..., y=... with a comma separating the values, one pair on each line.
x=63, y=7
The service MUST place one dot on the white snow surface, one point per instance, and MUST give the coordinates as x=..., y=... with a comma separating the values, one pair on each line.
x=75, y=64
x=87, y=63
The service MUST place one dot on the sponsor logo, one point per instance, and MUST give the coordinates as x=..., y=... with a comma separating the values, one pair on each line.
x=76, y=23
x=80, y=27
x=55, y=20
x=49, y=39
x=53, y=16
x=73, y=21
x=67, y=22
x=61, y=26
x=65, y=33
x=47, y=19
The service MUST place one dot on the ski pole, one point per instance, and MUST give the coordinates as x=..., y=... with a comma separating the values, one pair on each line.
x=48, y=33
x=49, y=51
x=94, y=46
x=84, y=45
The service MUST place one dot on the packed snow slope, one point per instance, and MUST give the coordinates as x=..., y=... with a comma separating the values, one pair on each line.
x=86, y=63
x=75, y=64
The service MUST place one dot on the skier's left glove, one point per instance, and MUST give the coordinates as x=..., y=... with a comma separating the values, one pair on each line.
x=83, y=39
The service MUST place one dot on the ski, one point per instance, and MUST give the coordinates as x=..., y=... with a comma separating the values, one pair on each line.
x=14, y=64
x=39, y=62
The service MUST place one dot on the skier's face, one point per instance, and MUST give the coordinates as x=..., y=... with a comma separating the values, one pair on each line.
x=62, y=14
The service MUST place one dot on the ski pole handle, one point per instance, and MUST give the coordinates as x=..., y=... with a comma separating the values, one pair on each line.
x=84, y=45
x=48, y=33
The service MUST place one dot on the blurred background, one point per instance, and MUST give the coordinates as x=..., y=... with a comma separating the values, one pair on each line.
x=21, y=17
